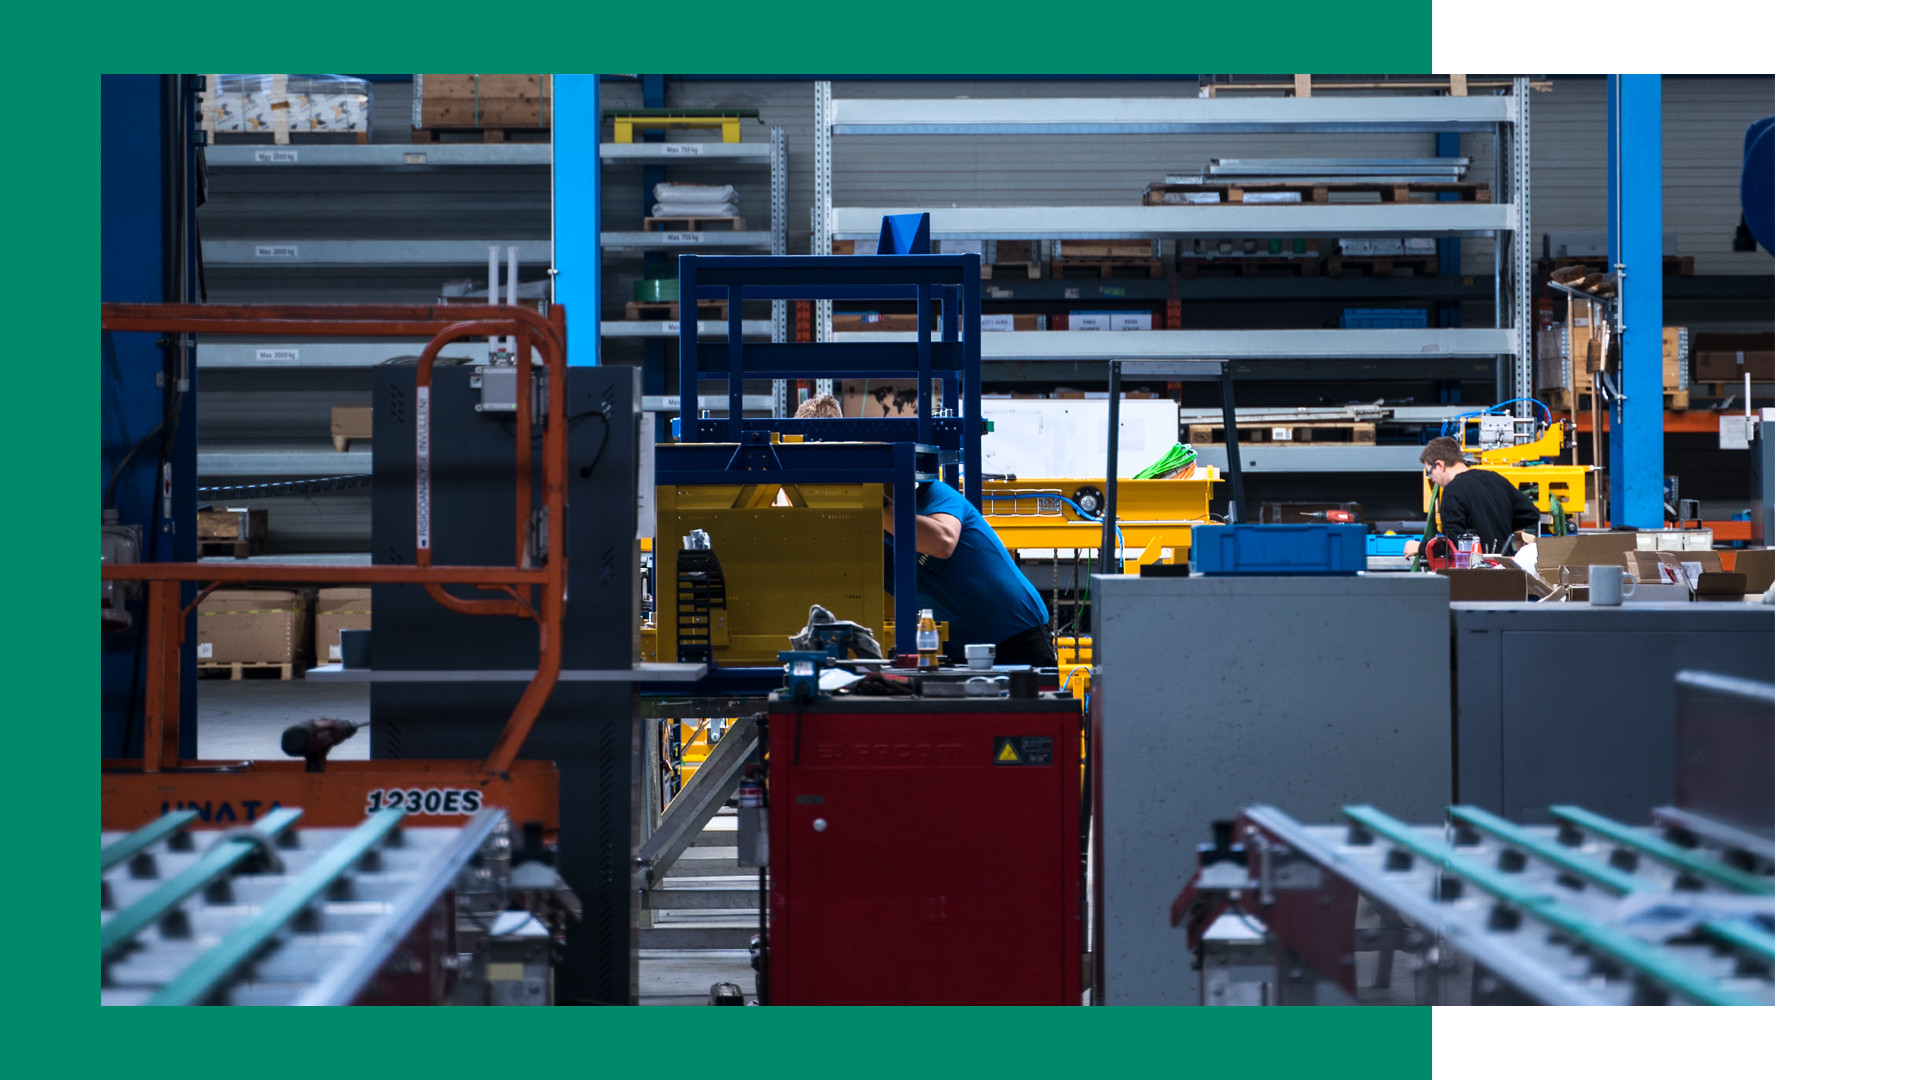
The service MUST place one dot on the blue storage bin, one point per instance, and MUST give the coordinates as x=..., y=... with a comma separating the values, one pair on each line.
x=1383, y=319
x=1279, y=549
x=1379, y=544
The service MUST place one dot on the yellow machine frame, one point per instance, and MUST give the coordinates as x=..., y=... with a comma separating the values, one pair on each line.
x=1569, y=482
x=625, y=126
x=824, y=548
x=1156, y=516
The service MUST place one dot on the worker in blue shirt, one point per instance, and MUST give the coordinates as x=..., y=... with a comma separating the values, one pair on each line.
x=970, y=581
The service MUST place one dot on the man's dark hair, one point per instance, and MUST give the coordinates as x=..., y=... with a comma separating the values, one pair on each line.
x=1443, y=450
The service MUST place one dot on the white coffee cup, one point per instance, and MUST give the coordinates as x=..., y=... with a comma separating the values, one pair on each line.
x=980, y=656
x=1608, y=586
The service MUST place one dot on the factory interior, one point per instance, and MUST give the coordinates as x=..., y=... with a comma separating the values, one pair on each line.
x=1343, y=512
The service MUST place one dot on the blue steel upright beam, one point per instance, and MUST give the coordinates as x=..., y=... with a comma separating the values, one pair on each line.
x=576, y=212
x=1635, y=456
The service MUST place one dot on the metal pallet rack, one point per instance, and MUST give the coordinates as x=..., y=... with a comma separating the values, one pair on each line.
x=381, y=265
x=901, y=451
x=1506, y=220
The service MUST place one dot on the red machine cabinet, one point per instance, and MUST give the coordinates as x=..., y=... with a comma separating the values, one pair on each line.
x=924, y=852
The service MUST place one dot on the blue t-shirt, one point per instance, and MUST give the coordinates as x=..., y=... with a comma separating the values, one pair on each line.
x=978, y=591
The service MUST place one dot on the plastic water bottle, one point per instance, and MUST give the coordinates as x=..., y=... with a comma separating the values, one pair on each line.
x=928, y=640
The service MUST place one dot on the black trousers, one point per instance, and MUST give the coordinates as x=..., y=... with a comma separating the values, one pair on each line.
x=1032, y=646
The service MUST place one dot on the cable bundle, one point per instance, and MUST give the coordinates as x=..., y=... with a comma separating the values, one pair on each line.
x=1175, y=464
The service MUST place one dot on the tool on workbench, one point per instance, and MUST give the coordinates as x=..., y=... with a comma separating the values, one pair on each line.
x=1343, y=517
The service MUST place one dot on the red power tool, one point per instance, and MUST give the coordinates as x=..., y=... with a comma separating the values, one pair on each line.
x=1343, y=517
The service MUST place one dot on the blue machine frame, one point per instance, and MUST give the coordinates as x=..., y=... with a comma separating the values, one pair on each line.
x=900, y=451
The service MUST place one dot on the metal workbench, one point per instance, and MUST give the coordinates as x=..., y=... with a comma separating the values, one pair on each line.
x=1573, y=704
x=1215, y=693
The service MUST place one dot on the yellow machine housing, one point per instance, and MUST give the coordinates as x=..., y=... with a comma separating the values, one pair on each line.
x=1540, y=483
x=1156, y=516
x=825, y=548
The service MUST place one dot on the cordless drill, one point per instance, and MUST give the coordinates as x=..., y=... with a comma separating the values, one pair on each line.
x=311, y=739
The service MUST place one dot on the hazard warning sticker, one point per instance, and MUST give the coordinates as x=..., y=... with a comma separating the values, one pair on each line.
x=1023, y=750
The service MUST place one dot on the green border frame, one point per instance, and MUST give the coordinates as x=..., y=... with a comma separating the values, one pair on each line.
x=59, y=187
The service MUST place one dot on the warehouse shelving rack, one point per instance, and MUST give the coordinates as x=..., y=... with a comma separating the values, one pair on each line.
x=300, y=262
x=1506, y=220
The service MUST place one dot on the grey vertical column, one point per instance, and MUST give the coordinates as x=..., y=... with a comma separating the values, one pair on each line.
x=1521, y=185
x=1310, y=693
x=822, y=197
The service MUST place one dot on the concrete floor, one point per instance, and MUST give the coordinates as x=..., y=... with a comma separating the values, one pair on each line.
x=243, y=720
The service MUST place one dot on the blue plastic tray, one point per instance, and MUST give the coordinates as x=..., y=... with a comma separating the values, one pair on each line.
x=1279, y=549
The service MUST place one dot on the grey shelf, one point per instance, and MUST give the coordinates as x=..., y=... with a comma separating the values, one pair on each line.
x=1126, y=116
x=1231, y=344
x=457, y=155
x=1260, y=286
x=270, y=255
x=640, y=673
x=1143, y=222
x=283, y=461
x=684, y=241
x=1272, y=458
x=655, y=328
x=307, y=355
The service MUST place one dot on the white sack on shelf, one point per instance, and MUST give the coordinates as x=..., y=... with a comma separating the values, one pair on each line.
x=694, y=193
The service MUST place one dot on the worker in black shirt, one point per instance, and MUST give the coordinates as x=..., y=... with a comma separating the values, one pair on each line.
x=1477, y=500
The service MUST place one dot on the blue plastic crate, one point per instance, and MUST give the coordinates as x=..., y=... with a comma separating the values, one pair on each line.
x=1279, y=549
x=1379, y=544
x=1383, y=319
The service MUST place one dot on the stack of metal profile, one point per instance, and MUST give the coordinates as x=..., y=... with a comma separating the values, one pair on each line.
x=1587, y=911
x=272, y=914
x=1333, y=170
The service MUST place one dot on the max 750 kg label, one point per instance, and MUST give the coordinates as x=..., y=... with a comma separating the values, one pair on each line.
x=425, y=800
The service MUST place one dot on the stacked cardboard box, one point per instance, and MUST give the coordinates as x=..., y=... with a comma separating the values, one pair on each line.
x=337, y=610
x=482, y=101
x=254, y=626
x=1565, y=360
x=282, y=104
x=1732, y=357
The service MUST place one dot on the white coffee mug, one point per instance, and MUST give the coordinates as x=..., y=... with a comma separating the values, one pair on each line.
x=1608, y=586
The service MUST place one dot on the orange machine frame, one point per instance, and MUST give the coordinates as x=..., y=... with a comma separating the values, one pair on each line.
x=134, y=792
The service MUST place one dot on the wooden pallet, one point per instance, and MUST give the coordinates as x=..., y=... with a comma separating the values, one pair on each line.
x=1251, y=266
x=670, y=309
x=1028, y=270
x=236, y=670
x=1381, y=265
x=1235, y=191
x=692, y=224
x=1299, y=433
x=1670, y=265
x=230, y=549
x=294, y=138
x=1561, y=400
x=484, y=134
x=1107, y=268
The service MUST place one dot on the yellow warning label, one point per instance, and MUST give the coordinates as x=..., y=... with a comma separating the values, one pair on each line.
x=1007, y=753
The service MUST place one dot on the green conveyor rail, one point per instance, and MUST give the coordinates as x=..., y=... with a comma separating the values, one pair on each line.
x=219, y=860
x=215, y=966
x=1571, y=861
x=1673, y=855
x=153, y=832
x=1623, y=948
x=1743, y=935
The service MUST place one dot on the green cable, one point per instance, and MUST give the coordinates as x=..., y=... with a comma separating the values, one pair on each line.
x=1175, y=459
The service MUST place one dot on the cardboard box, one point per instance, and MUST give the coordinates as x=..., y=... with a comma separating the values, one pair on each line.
x=351, y=422
x=883, y=398
x=255, y=626
x=998, y=323
x=1757, y=564
x=477, y=101
x=1732, y=357
x=873, y=322
x=231, y=530
x=1105, y=249
x=1484, y=583
x=1089, y=320
x=336, y=610
x=1721, y=586
x=1573, y=554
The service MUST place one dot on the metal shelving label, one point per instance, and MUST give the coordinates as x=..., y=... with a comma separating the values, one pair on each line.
x=684, y=238
x=276, y=251
x=680, y=149
x=277, y=356
x=277, y=157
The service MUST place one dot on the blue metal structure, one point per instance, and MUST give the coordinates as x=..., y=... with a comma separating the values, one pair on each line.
x=1756, y=182
x=148, y=391
x=900, y=451
x=1635, y=445
x=576, y=211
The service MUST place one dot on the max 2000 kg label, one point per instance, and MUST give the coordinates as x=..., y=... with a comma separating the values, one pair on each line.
x=425, y=800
